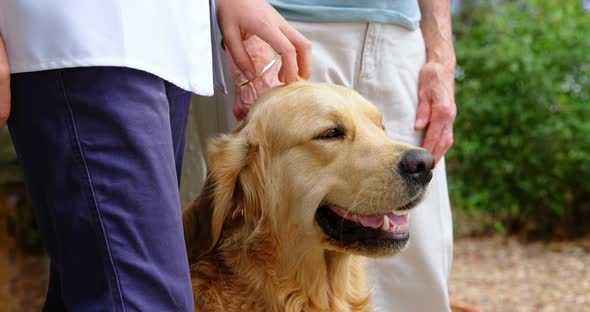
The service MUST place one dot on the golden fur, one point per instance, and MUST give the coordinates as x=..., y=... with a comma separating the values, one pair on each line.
x=251, y=237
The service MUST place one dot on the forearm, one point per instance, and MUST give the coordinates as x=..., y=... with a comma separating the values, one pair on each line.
x=436, y=110
x=436, y=29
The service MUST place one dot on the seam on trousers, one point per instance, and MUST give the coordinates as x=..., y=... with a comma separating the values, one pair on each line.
x=366, y=42
x=77, y=148
x=369, y=56
x=166, y=100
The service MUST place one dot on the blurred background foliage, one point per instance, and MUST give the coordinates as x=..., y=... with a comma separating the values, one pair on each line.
x=10, y=173
x=521, y=159
x=17, y=222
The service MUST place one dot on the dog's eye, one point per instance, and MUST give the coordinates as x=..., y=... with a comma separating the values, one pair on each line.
x=334, y=133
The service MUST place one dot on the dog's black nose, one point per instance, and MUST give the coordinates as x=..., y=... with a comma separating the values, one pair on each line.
x=417, y=166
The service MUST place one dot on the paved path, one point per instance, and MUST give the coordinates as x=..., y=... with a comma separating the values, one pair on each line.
x=505, y=275
x=494, y=274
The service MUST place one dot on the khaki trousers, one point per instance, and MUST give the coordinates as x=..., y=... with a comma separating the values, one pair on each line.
x=382, y=62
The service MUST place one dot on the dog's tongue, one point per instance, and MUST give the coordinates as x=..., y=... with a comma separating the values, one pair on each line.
x=374, y=221
x=399, y=220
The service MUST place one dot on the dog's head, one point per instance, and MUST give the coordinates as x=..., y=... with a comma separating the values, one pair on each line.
x=312, y=165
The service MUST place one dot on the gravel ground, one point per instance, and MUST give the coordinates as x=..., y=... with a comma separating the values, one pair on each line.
x=493, y=274
x=23, y=281
x=497, y=274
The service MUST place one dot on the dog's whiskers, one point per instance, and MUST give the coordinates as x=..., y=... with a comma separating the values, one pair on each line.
x=356, y=201
x=371, y=200
x=348, y=210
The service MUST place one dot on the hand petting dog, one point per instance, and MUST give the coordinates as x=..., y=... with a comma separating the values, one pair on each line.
x=267, y=75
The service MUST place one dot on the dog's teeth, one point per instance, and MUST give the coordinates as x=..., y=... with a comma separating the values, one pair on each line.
x=355, y=218
x=385, y=226
x=400, y=213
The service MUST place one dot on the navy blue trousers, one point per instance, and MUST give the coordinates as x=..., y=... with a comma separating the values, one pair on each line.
x=101, y=149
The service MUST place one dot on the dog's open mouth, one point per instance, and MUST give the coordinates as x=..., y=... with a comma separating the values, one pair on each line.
x=380, y=232
x=394, y=223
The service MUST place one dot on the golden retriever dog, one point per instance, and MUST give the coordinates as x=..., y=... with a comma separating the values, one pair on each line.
x=304, y=189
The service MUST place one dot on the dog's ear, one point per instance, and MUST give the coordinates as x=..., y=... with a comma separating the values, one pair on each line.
x=234, y=188
x=196, y=221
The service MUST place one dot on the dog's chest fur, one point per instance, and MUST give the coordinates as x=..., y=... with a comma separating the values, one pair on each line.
x=250, y=279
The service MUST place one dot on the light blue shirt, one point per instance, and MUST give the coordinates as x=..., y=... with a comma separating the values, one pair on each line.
x=401, y=12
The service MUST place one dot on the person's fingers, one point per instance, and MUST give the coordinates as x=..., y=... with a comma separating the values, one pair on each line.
x=236, y=108
x=423, y=112
x=303, y=49
x=239, y=105
x=279, y=42
x=444, y=143
x=436, y=110
x=242, y=110
x=239, y=112
x=432, y=135
x=4, y=85
x=246, y=94
x=239, y=55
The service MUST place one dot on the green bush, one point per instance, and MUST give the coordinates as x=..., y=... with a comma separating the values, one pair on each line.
x=17, y=222
x=522, y=135
x=10, y=172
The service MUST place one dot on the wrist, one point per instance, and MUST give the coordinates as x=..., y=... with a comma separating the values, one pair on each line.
x=443, y=68
x=435, y=73
x=443, y=56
